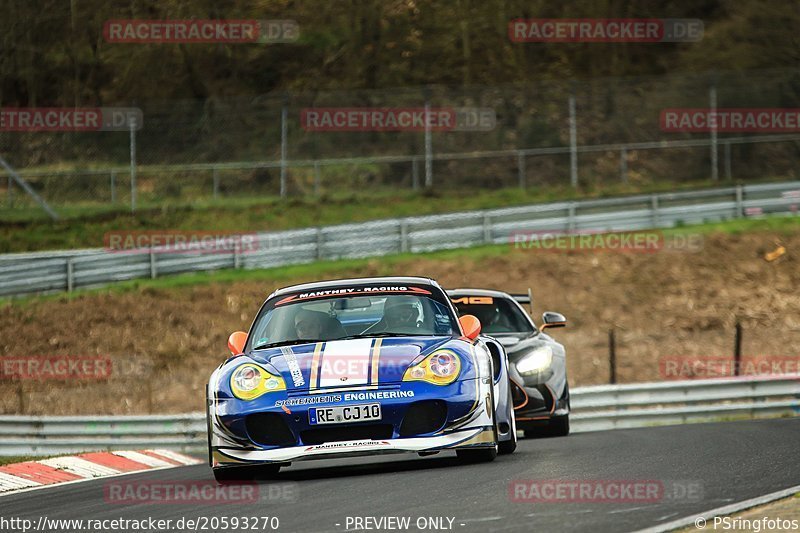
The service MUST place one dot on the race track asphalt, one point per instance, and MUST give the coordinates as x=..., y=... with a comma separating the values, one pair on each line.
x=695, y=467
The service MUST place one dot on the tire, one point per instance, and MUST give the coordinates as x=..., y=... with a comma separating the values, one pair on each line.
x=508, y=447
x=558, y=426
x=245, y=473
x=477, y=455
x=232, y=474
x=482, y=455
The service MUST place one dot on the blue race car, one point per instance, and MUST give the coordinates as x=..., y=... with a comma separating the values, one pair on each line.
x=357, y=367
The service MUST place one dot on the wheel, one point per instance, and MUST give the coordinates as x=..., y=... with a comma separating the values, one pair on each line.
x=558, y=426
x=227, y=475
x=477, y=455
x=245, y=473
x=482, y=455
x=507, y=447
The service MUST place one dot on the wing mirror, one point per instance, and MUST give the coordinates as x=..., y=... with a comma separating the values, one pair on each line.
x=471, y=326
x=236, y=342
x=553, y=320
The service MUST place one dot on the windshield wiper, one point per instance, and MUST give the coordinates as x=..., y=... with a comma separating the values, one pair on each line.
x=286, y=343
x=389, y=334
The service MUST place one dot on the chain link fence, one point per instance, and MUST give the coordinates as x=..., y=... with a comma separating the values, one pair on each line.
x=586, y=134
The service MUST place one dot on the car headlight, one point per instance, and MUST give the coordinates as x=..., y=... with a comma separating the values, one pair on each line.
x=440, y=368
x=250, y=381
x=536, y=361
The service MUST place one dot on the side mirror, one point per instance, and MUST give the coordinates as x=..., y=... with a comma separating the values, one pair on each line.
x=553, y=320
x=471, y=326
x=236, y=342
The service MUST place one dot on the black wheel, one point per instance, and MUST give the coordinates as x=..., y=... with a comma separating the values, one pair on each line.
x=507, y=447
x=482, y=455
x=477, y=455
x=558, y=426
x=245, y=473
x=231, y=474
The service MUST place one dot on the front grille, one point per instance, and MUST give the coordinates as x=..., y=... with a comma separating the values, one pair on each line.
x=422, y=417
x=344, y=433
x=269, y=429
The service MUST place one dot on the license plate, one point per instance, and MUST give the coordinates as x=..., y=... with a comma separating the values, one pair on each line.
x=344, y=414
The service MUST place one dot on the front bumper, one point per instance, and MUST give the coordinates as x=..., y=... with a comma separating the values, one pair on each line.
x=540, y=397
x=407, y=423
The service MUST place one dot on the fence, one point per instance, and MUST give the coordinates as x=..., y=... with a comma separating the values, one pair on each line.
x=41, y=272
x=558, y=132
x=595, y=408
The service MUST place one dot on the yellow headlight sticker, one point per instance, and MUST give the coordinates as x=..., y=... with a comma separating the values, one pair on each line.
x=266, y=383
x=439, y=368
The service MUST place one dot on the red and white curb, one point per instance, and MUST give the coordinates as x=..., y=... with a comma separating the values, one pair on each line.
x=35, y=474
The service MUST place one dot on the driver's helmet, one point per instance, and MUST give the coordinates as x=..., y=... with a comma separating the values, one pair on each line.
x=487, y=314
x=402, y=313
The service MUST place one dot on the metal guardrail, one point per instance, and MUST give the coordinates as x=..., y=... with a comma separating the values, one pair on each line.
x=604, y=407
x=43, y=272
x=595, y=408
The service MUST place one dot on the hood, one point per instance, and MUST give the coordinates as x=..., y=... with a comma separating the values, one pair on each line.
x=519, y=344
x=347, y=363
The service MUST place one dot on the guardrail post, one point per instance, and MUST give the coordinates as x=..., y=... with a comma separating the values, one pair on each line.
x=573, y=140
x=215, y=180
x=21, y=397
x=571, y=217
x=739, y=201
x=414, y=173
x=404, y=236
x=428, y=146
x=612, y=357
x=727, y=152
x=153, y=271
x=487, y=228
x=113, y=187
x=70, y=275
x=320, y=243
x=237, y=257
x=623, y=165
x=284, y=142
x=737, y=350
x=133, y=165
x=521, y=169
x=712, y=98
x=317, y=179
x=654, y=207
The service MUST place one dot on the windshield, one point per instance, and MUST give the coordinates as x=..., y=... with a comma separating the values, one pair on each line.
x=341, y=317
x=497, y=315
